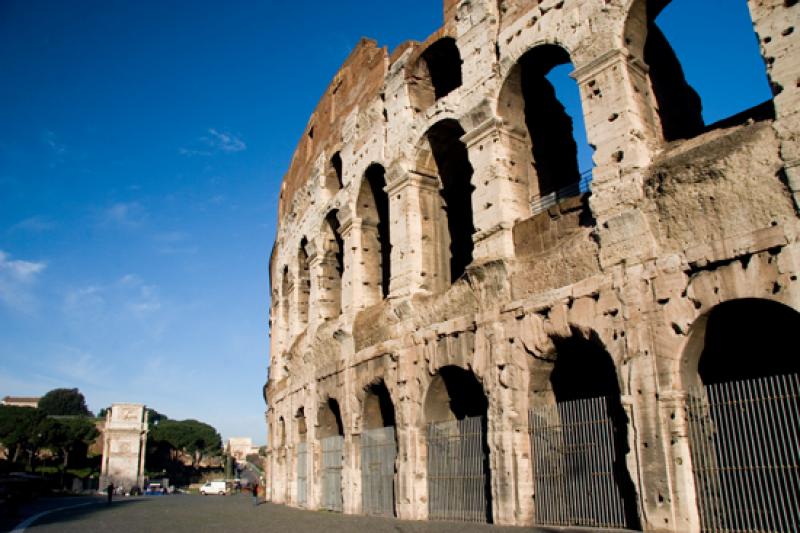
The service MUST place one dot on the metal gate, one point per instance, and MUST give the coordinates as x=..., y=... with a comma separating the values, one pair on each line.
x=572, y=449
x=302, y=473
x=378, y=452
x=332, y=458
x=456, y=470
x=745, y=454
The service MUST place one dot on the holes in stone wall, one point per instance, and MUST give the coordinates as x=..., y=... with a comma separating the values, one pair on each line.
x=332, y=265
x=333, y=174
x=378, y=407
x=303, y=286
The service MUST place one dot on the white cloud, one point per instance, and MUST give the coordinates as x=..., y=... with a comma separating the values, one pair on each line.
x=215, y=142
x=127, y=214
x=34, y=224
x=17, y=278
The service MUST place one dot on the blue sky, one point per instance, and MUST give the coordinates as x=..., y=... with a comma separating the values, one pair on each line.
x=140, y=162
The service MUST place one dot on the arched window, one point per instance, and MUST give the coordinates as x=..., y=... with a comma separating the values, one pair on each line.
x=332, y=267
x=378, y=452
x=303, y=286
x=285, y=303
x=437, y=73
x=445, y=157
x=373, y=209
x=540, y=100
x=702, y=75
x=333, y=174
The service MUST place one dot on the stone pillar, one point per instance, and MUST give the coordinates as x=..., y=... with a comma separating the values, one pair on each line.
x=501, y=194
x=416, y=262
x=622, y=123
x=778, y=30
x=353, y=277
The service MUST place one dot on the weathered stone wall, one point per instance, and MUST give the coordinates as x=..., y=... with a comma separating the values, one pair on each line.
x=670, y=231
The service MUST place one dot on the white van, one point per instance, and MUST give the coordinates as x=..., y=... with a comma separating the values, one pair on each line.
x=214, y=487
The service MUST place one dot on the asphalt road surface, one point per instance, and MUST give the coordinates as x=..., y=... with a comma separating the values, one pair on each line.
x=190, y=514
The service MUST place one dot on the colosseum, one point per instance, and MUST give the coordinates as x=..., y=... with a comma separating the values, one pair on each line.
x=466, y=326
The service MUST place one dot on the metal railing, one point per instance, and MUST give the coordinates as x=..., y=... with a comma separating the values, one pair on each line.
x=546, y=199
x=572, y=450
x=332, y=458
x=456, y=471
x=302, y=474
x=744, y=439
x=378, y=453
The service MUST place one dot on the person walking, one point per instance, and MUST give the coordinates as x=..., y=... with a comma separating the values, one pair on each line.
x=110, y=492
x=255, y=493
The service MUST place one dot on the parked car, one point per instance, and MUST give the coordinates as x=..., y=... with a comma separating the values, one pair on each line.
x=214, y=487
x=155, y=489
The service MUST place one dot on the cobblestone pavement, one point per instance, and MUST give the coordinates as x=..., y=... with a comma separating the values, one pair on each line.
x=235, y=514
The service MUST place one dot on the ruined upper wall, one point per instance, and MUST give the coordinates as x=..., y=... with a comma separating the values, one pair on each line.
x=357, y=82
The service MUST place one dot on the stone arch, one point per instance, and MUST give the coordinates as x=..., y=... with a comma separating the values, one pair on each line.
x=333, y=174
x=677, y=104
x=436, y=73
x=740, y=339
x=302, y=428
x=442, y=156
x=378, y=407
x=372, y=208
x=303, y=285
x=543, y=144
x=580, y=368
x=281, y=432
x=455, y=394
x=329, y=419
x=332, y=266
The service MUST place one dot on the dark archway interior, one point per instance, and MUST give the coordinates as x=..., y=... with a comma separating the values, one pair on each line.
x=583, y=370
x=377, y=182
x=333, y=221
x=301, y=425
x=555, y=153
x=747, y=339
x=378, y=407
x=455, y=172
x=444, y=65
x=281, y=432
x=336, y=165
x=330, y=419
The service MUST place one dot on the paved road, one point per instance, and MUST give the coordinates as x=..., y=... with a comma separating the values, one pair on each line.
x=233, y=514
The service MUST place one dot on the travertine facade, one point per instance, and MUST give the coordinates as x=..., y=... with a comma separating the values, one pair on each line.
x=434, y=218
x=124, y=446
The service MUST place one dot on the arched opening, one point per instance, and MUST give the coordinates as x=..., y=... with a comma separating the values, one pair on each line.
x=437, y=73
x=281, y=433
x=303, y=282
x=378, y=452
x=373, y=209
x=540, y=100
x=666, y=36
x=332, y=266
x=459, y=482
x=453, y=225
x=333, y=174
x=302, y=457
x=744, y=421
x=330, y=432
x=586, y=389
x=285, y=303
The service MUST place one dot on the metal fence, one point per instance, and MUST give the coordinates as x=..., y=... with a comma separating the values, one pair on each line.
x=572, y=450
x=456, y=471
x=332, y=458
x=548, y=199
x=378, y=453
x=302, y=473
x=745, y=454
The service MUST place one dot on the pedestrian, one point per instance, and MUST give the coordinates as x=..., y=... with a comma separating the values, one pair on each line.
x=110, y=492
x=255, y=493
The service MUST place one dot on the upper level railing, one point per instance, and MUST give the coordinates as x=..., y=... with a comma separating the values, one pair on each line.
x=548, y=199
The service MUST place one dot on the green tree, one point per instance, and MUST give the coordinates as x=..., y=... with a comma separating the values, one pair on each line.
x=191, y=437
x=62, y=402
x=154, y=417
x=20, y=428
